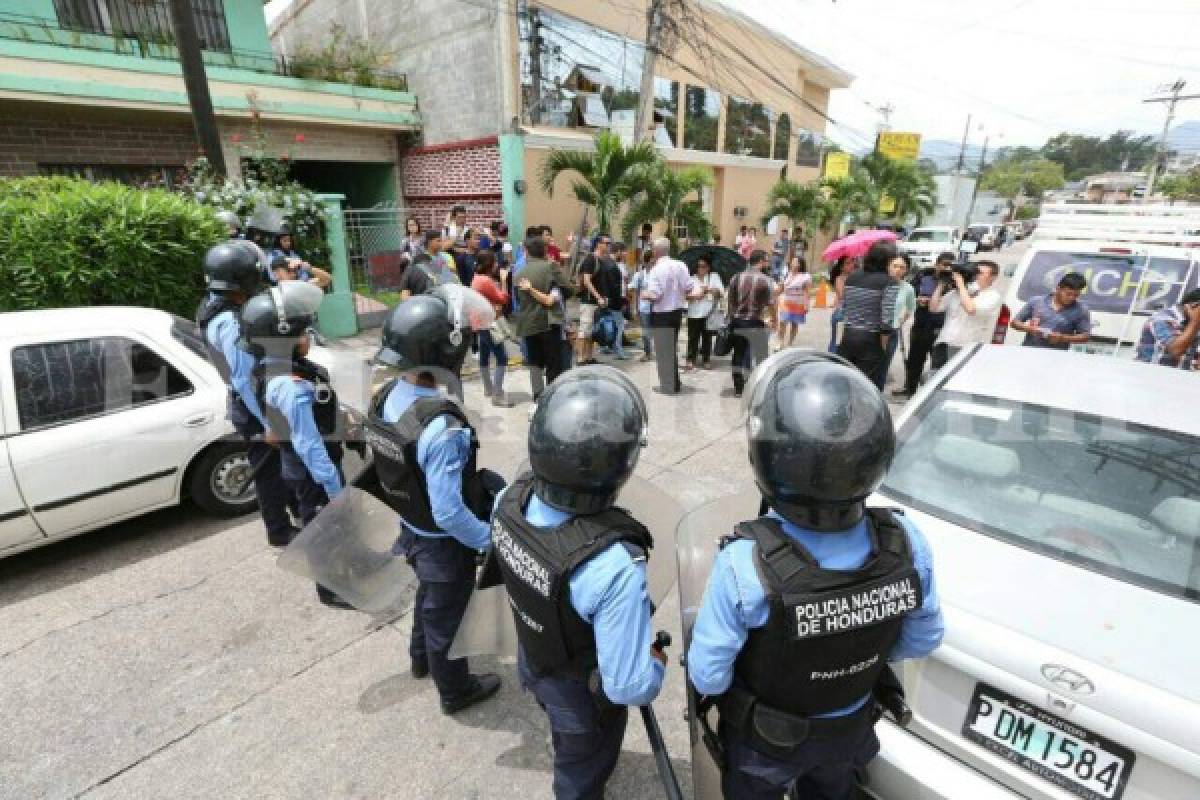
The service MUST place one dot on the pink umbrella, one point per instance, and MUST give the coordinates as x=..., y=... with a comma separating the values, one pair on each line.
x=856, y=244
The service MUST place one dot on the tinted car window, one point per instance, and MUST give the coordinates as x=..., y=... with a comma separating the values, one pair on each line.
x=186, y=333
x=1112, y=278
x=62, y=381
x=1109, y=496
x=929, y=236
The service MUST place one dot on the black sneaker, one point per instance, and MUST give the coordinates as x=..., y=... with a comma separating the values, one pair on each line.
x=419, y=668
x=283, y=538
x=482, y=687
x=902, y=393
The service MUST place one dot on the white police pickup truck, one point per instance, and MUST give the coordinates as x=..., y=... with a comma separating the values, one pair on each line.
x=108, y=413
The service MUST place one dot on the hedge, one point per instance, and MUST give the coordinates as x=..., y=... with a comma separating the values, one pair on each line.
x=69, y=242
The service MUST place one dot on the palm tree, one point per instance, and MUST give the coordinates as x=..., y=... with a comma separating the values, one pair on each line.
x=603, y=181
x=843, y=196
x=803, y=204
x=875, y=173
x=664, y=194
x=914, y=192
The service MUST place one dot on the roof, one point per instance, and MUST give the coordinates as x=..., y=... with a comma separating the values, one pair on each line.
x=835, y=76
x=68, y=320
x=1149, y=395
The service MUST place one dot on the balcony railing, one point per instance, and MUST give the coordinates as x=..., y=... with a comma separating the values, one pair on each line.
x=158, y=44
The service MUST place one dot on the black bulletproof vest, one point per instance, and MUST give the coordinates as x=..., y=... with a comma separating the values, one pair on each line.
x=829, y=632
x=209, y=309
x=326, y=411
x=394, y=446
x=537, y=564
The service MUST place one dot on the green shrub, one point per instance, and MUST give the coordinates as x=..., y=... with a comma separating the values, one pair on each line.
x=68, y=242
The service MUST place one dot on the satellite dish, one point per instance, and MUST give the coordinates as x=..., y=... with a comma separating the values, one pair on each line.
x=773, y=225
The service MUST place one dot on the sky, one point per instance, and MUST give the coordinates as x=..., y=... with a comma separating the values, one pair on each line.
x=1024, y=70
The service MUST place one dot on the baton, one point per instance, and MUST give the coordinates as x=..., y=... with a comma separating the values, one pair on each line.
x=662, y=759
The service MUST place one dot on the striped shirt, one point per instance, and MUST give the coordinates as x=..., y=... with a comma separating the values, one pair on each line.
x=869, y=301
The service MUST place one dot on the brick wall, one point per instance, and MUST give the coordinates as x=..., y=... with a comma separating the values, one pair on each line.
x=319, y=142
x=438, y=178
x=30, y=136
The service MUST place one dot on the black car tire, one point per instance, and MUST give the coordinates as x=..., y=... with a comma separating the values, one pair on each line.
x=214, y=478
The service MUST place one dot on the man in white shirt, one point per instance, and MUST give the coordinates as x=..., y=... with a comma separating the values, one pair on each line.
x=667, y=288
x=971, y=311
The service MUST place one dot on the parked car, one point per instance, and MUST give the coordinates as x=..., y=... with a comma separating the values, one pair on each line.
x=1065, y=522
x=925, y=244
x=105, y=414
x=984, y=234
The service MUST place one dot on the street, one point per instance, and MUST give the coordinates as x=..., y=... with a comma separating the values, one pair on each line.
x=169, y=657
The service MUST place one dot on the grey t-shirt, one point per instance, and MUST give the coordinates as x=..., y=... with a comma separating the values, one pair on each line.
x=1073, y=319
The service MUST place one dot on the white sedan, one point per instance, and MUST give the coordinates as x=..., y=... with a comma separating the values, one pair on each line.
x=105, y=414
x=1061, y=497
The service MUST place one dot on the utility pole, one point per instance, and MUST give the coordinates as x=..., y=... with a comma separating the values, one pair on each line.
x=644, y=124
x=975, y=189
x=191, y=60
x=962, y=155
x=535, y=66
x=886, y=110
x=1160, y=154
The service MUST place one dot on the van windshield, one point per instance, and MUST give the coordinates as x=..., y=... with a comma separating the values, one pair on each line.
x=1112, y=278
x=929, y=236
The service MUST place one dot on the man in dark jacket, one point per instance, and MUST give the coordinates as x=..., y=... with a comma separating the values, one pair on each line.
x=542, y=289
x=926, y=326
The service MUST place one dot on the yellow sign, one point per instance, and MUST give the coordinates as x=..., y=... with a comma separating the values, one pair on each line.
x=887, y=205
x=900, y=146
x=837, y=165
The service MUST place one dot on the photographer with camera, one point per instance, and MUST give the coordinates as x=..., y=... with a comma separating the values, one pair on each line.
x=971, y=306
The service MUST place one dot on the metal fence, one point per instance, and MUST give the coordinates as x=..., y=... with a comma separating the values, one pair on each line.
x=148, y=18
x=375, y=244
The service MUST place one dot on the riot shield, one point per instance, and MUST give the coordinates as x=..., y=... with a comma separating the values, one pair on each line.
x=267, y=218
x=348, y=548
x=487, y=627
x=696, y=543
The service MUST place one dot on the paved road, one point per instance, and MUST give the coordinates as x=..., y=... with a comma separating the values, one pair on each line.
x=169, y=657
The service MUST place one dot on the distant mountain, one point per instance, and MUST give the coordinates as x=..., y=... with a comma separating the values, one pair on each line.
x=1185, y=137
x=945, y=153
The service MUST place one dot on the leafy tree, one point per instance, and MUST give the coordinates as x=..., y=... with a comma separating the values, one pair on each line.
x=804, y=204
x=1031, y=178
x=1029, y=212
x=662, y=194
x=1081, y=156
x=1184, y=187
x=603, y=178
x=843, y=196
x=914, y=192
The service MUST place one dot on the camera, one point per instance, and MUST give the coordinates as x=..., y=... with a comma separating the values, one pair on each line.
x=968, y=271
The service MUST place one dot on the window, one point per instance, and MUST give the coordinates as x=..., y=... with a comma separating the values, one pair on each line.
x=58, y=382
x=145, y=19
x=187, y=333
x=666, y=112
x=929, y=236
x=1106, y=495
x=783, y=137
x=808, y=149
x=747, y=128
x=574, y=74
x=702, y=112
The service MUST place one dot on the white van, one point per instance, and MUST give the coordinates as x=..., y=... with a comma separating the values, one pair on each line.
x=1117, y=249
x=926, y=243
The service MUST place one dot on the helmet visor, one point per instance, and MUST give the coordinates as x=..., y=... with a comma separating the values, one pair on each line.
x=469, y=310
x=266, y=218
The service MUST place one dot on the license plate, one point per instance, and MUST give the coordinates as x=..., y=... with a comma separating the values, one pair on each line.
x=1068, y=756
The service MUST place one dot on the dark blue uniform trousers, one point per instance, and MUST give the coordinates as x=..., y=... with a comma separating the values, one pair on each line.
x=820, y=769
x=586, y=735
x=268, y=476
x=446, y=577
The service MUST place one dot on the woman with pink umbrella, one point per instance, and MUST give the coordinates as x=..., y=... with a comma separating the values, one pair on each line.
x=846, y=252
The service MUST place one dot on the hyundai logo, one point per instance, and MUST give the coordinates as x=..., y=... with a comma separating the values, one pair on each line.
x=1067, y=678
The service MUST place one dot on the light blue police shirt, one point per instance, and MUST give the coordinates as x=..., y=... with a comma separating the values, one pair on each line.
x=609, y=592
x=442, y=453
x=293, y=397
x=735, y=602
x=223, y=334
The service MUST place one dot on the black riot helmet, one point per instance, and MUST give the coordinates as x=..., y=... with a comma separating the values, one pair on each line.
x=231, y=267
x=231, y=221
x=273, y=321
x=585, y=437
x=432, y=331
x=821, y=438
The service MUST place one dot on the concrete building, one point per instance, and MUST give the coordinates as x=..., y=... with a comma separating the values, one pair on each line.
x=94, y=89
x=502, y=84
x=1114, y=187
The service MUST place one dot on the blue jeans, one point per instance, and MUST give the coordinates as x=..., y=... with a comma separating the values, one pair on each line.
x=833, y=325
x=892, y=346
x=647, y=339
x=619, y=343
x=488, y=347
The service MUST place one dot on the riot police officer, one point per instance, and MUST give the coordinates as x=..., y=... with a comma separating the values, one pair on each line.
x=806, y=605
x=297, y=398
x=424, y=454
x=574, y=567
x=232, y=274
x=232, y=222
